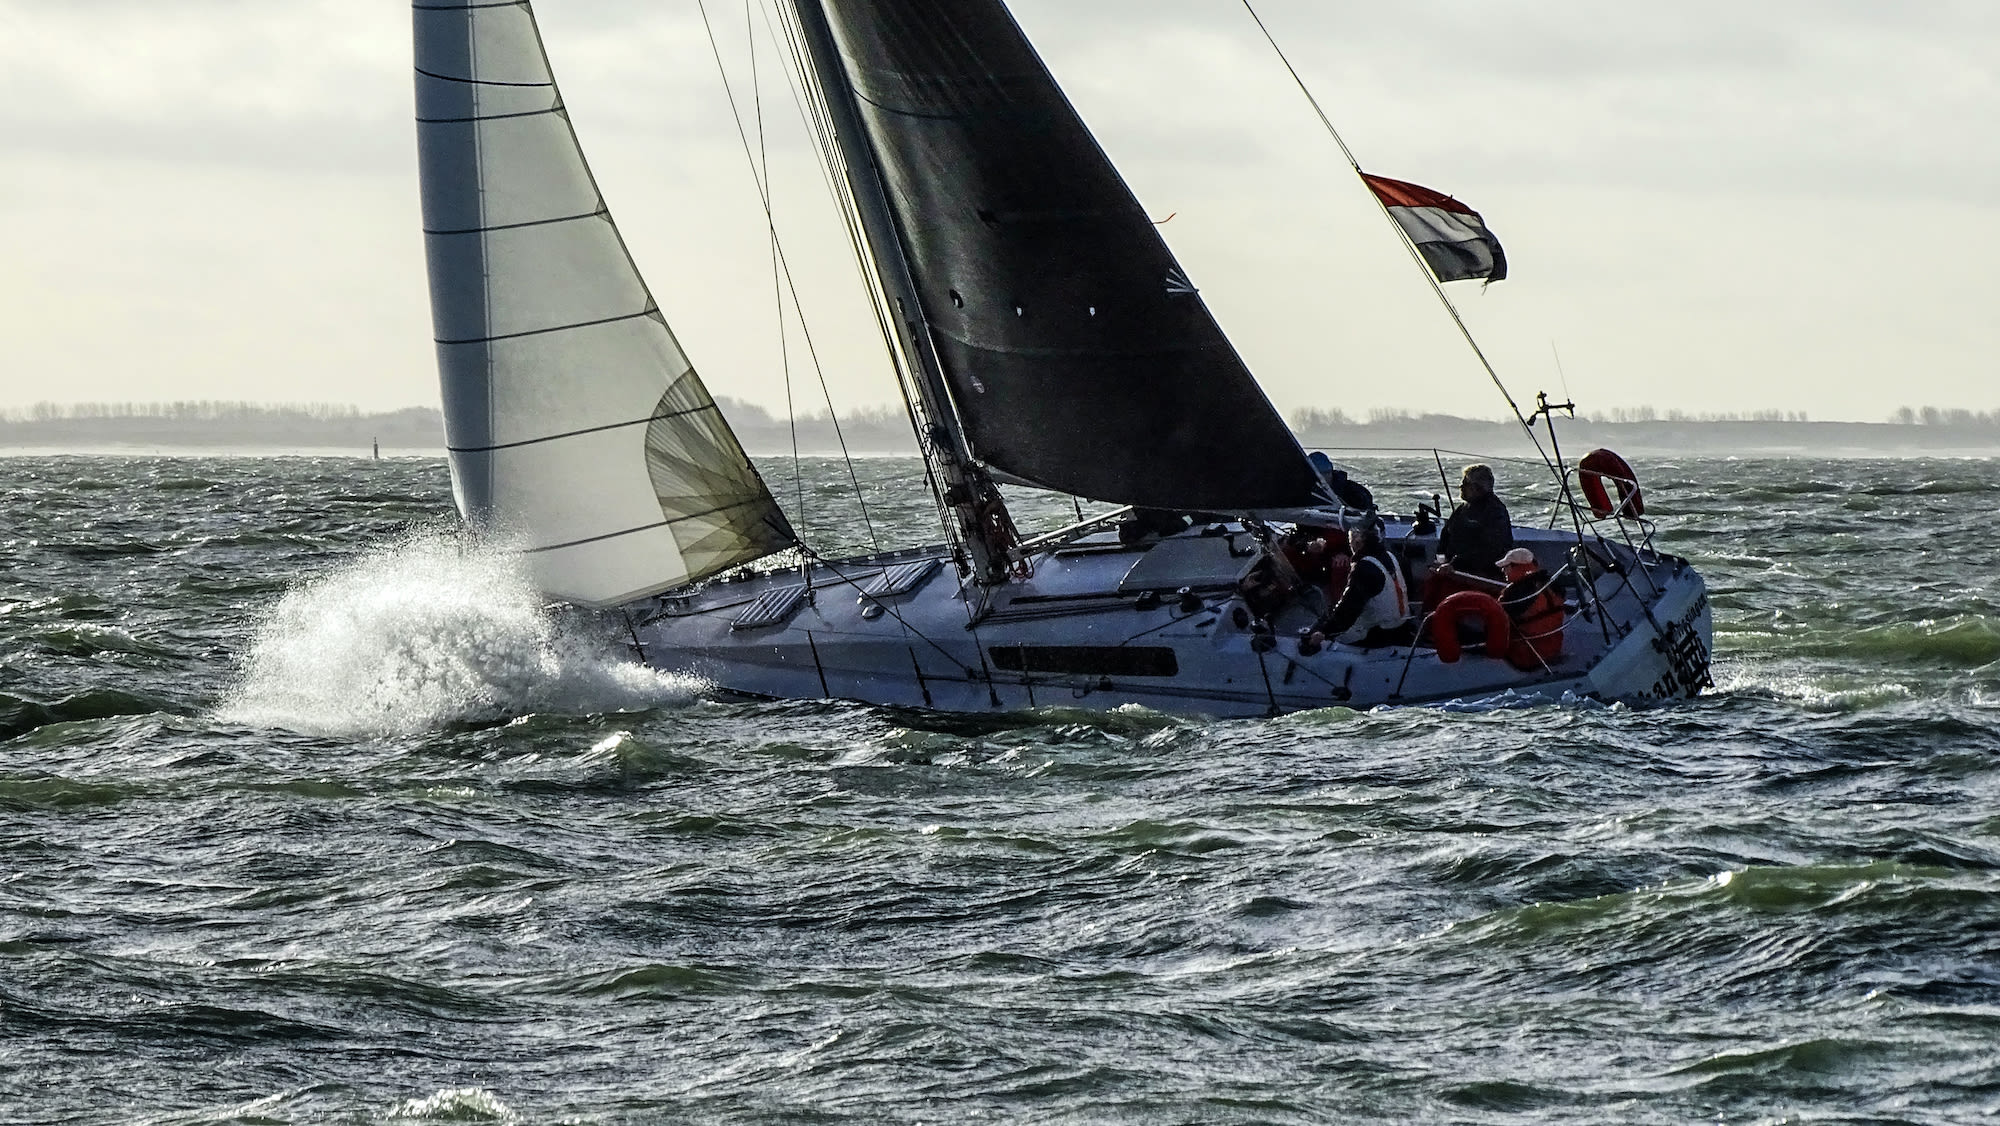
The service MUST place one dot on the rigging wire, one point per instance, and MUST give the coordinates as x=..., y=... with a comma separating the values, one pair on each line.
x=1560, y=373
x=888, y=609
x=819, y=128
x=1416, y=256
x=819, y=124
x=809, y=99
x=814, y=112
x=777, y=276
x=783, y=266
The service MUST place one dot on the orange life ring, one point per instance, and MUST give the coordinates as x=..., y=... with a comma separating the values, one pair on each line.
x=1599, y=466
x=1464, y=604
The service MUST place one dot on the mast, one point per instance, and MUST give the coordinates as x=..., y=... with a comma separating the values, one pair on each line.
x=970, y=495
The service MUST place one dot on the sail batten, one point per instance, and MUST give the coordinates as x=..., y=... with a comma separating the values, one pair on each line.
x=577, y=429
x=1074, y=350
x=648, y=420
x=552, y=328
x=488, y=117
x=487, y=230
x=475, y=81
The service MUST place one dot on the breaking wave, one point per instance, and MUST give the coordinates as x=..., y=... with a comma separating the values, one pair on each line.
x=426, y=633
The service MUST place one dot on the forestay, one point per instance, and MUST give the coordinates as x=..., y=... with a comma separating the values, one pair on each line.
x=576, y=426
x=1077, y=352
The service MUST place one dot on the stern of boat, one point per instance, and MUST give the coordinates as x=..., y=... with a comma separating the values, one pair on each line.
x=1665, y=652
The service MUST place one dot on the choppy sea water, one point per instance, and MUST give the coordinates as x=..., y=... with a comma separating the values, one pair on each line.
x=309, y=814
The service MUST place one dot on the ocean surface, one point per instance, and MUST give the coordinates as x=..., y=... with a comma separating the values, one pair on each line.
x=310, y=813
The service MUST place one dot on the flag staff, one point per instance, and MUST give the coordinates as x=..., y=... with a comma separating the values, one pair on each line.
x=1408, y=244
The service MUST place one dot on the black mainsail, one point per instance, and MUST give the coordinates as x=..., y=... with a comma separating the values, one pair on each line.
x=1076, y=352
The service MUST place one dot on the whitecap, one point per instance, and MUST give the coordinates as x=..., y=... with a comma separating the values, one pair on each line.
x=457, y=1104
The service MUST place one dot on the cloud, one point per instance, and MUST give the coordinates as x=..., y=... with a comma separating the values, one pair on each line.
x=306, y=83
x=1778, y=97
x=1783, y=96
x=1746, y=204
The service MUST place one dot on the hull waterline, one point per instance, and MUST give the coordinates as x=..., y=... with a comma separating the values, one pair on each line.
x=1101, y=625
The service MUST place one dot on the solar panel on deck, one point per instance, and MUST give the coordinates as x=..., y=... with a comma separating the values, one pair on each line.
x=900, y=579
x=771, y=607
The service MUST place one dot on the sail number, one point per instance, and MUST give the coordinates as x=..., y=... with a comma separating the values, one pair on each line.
x=1687, y=657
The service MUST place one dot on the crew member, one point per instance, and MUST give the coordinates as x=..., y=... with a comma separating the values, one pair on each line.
x=1374, y=610
x=1321, y=558
x=1479, y=531
x=1350, y=493
x=1536, y=609
x=1305, y=548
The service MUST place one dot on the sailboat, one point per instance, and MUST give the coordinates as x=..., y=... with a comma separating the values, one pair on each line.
x=1044, y=335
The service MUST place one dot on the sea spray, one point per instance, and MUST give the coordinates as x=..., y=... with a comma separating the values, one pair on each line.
x=424, y=633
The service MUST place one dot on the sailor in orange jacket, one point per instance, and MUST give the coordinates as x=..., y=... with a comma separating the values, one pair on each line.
x=1536, y=608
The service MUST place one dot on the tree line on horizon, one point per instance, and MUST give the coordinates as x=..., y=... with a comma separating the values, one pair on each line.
x=1308, y=419
x=1311, y=419
x=203, y=410
x=874, y=427
x=1903, y=416
x=1944, y=416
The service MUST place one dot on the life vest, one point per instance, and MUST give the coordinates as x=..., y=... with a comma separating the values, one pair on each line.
x=1468, y=604
x=1598, y=466
x=1389, y=608
x=1537, y=613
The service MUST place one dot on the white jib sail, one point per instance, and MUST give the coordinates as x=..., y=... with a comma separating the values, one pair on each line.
x=577, y=428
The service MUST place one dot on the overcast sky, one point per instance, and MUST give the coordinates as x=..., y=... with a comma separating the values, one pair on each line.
x=1711, y=205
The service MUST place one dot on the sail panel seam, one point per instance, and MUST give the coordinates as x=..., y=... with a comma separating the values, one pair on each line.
x=886, y=108
x=600, y=213
x=558, y=108
x=643, y=527
x=578, y=433
x=469, y=7
x=647, y=312
x=481, y=81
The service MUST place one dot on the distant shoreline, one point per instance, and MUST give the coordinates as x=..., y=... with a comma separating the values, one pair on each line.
x=1654, y=439
x=419, y=432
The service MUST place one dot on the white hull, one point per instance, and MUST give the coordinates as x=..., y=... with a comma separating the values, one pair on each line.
x=1073, y=634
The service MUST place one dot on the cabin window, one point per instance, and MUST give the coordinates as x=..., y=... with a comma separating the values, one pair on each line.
x=1087, y=660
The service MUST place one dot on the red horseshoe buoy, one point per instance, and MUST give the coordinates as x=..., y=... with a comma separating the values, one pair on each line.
x=1599, y=466
x=1470, y=604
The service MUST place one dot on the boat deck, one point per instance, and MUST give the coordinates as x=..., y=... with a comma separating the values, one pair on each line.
x=1162, y=625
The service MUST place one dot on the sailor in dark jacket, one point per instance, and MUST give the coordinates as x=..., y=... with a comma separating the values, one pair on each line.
x=1479, y=531
x=1349, y=492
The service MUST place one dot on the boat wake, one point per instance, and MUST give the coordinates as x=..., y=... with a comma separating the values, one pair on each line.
x=426, y=633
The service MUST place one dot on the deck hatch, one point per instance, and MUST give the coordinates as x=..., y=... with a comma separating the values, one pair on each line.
x=771, y=607
x=1087, y=660
x=900, y=579
x=1201, y=562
